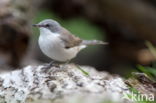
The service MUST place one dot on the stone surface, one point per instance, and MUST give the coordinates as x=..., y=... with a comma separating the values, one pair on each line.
x=64, y=84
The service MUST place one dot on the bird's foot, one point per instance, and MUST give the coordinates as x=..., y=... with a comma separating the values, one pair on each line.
x=51, y=64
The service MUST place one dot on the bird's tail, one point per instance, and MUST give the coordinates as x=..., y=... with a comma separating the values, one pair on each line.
x=93, y=42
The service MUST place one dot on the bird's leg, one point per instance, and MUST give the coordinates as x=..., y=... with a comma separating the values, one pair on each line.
x=51, y=64
x=66, y=63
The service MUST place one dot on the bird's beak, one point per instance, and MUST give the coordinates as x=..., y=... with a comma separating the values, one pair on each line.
x=37, y=25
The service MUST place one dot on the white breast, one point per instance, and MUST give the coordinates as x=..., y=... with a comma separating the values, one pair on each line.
x=52, y=46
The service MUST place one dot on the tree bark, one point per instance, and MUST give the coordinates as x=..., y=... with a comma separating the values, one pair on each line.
x=14, y=31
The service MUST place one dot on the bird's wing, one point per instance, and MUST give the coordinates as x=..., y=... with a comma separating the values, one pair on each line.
x=69, y=39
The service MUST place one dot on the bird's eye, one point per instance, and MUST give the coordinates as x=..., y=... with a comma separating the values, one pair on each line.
x=47, y=25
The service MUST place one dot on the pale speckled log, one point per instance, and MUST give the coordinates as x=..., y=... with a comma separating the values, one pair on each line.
x=66, y=84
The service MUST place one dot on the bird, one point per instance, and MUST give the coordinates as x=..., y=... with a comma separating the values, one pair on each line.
x=58, y=43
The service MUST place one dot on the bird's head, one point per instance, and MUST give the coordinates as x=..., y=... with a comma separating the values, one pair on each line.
x=49, y=24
